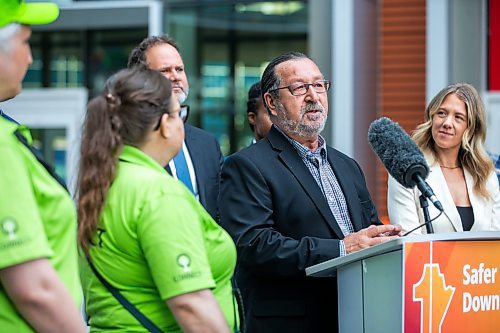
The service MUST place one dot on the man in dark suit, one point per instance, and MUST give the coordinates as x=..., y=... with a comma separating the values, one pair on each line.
x=257, y=116
x=200, y=159
x=290, y=201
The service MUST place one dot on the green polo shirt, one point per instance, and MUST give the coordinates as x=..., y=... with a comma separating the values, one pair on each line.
x=37, y=220
x=155, y=241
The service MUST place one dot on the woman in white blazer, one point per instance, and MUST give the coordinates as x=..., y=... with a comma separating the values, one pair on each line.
x=461, y=174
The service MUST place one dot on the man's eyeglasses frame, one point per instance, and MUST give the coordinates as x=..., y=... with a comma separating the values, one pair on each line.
x=183, y=114
x=320, y=86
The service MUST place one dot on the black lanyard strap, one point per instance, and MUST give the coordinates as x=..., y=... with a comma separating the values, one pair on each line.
x=40, y=159
x=141, y=318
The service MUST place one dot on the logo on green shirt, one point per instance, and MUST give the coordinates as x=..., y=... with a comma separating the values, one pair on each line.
x=184, y=261
x=9, y=227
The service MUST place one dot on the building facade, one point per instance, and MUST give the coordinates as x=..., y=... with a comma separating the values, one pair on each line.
x=384, y=57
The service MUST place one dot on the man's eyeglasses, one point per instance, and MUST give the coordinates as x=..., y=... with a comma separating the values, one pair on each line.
x=299, y=89
x=183, y=114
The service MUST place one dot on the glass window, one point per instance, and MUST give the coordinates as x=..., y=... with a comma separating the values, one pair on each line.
x=225, y=47
x=66, y=63
x=109, y=53
x=79, y=58
x=75, y=59
x=52, y=144
x=66, y=68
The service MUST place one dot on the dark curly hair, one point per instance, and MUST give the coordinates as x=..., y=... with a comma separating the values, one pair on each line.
x=138, y=55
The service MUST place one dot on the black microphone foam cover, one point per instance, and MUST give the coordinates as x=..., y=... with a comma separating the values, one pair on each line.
x=398, y=152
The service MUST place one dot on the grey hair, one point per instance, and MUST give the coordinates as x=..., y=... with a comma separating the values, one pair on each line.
x=6, y=34
x=270, y=79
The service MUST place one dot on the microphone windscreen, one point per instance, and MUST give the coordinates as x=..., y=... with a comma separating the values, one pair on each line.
x=398, y=152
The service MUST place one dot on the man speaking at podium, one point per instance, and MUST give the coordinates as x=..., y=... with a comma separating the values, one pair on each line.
x=290, y=201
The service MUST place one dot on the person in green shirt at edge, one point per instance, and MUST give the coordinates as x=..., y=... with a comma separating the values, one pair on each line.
x=39, y=284
x=143, y=230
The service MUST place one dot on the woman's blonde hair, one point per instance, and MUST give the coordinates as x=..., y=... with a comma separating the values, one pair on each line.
x=472, y=154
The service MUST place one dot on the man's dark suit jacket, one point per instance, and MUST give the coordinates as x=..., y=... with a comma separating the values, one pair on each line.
x=281, y=223
x=207, y=159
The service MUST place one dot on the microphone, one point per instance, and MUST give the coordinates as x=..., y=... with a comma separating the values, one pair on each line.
x=401, y=157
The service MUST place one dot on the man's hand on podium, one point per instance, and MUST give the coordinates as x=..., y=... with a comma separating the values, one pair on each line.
x=373, y=235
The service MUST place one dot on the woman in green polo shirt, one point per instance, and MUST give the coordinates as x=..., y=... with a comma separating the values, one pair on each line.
x=144, y=232
x=39, y=286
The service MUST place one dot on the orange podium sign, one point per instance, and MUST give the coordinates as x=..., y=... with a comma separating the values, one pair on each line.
x=452, y=286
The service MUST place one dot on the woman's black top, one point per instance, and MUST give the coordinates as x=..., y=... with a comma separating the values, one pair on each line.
x=467, y=217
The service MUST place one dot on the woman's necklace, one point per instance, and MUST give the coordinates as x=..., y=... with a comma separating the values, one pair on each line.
x=451, y=168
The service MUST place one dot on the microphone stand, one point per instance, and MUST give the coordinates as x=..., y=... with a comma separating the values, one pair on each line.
x=425, y=206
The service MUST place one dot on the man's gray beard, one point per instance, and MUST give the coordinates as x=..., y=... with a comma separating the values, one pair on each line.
x=298, y=128
x=182, y=96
